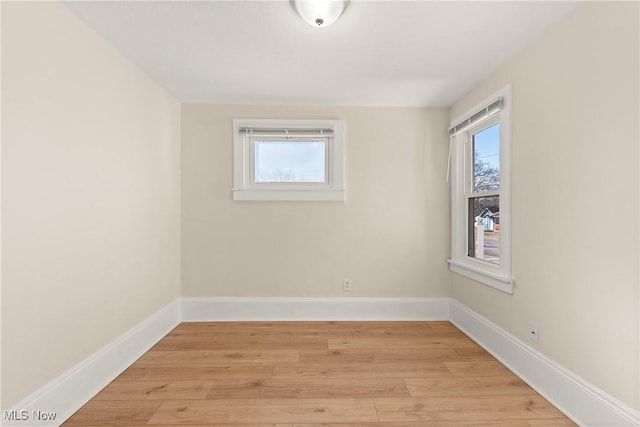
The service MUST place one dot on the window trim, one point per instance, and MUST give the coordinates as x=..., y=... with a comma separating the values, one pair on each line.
x=498, y=276
x=246, y=189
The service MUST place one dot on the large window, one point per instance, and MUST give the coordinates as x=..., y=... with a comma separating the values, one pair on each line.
x=480, y=193
x=288, y=160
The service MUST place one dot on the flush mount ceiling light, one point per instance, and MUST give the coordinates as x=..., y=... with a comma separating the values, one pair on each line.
x=320, y=13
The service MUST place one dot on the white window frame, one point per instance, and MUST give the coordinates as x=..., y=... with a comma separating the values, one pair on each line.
x=246, y=189
x=498, y=276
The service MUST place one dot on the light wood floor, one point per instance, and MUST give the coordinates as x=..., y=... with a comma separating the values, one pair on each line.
x=336, y=374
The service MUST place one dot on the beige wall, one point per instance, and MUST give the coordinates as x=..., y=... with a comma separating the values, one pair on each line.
x=90, y=195
x=390, y=237
x=91, y=216
x=575, y=197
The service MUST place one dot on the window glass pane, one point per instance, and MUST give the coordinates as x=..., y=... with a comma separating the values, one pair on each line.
x=486, y=159
x=484, y=228
x=290, y=161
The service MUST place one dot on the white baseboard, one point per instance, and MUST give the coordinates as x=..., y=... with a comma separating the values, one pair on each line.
x=313, y=309
x=67, y=393
x=584, y=403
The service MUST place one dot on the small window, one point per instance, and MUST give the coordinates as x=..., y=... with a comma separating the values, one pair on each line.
x=288, y=160
x=480, y=193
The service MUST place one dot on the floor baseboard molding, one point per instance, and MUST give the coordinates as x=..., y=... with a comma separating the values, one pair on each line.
x=313, y=309
x=68, y=392
x=584, y=403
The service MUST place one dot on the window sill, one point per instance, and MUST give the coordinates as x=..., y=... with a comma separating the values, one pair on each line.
x=289, y=195
x=499, y=282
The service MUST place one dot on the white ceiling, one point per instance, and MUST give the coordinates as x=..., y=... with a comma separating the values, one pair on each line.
x=379, y=53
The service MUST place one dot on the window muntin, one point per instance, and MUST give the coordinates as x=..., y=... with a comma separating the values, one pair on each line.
x=481, y=192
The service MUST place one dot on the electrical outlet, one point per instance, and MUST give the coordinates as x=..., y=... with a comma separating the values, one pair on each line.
x=534, y=332
x=346, y=285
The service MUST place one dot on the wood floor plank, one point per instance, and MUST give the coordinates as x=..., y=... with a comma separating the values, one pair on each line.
x=384, y=334
x=243, y=333
x=240, y=326
x=362, y=370
x=171, y=343
x=389, y=355
x=494, y=423
x=365, y=325
x=560, y=422
x=336, y=356
x=399, y=343
x=155, y=390
x=467, y=386
x=483, y=368
x=232, y=411
x=308, y=388
x=333, y=325
x=422, y=332
x=115, y=413
x=255, y=329
x=474, y=352
x=480, y=408
x=195, y=372
x=446, y=328
x=337, y=330
x=227, y=425
x=212, y=357
x=441, y=324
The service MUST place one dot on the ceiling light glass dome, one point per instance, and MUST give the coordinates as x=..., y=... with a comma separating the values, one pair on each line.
x=320, y=13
